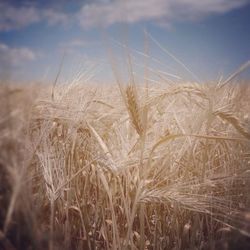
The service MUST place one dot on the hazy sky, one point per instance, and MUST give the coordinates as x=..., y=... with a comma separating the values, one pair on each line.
x=211, y=37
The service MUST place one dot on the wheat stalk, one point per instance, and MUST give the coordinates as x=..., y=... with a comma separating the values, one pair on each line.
x=133, y=109
x=234, y=121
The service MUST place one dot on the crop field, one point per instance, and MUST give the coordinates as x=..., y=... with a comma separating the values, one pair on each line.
x=124, y=125
x=125, y=166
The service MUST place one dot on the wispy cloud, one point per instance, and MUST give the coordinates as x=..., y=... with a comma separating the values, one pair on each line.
x=103, y=13
x=15, y=56
x=75, y=43
x=106, y=13
x=54, y=17
x=14, y=17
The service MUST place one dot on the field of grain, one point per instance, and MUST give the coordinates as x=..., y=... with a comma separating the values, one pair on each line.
x=126, y=166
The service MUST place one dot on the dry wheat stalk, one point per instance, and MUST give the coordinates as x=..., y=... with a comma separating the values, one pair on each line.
x=133, y=109
x=234, y=121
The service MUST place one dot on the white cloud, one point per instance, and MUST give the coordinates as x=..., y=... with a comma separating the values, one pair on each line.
x=15, y=56
x=54, y=17
x=192, y=9
x=16, y=17
x=76, y=46
x=130, y=11
x=103, y=13
x=76, y=42
x=106, y=13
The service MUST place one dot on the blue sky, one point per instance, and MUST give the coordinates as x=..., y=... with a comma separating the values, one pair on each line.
x=211, y=37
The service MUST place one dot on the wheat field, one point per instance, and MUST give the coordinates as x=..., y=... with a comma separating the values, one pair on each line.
x=125, y=166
